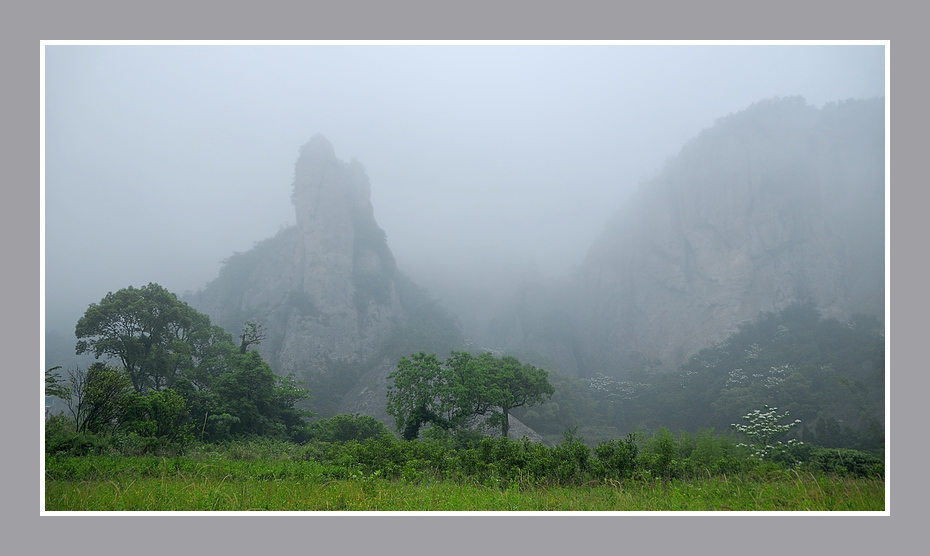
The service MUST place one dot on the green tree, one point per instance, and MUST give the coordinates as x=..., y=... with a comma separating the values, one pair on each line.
x=451, y=394
x=509, y=385
x=161, y=414
x=256, y=400
x=420, y=394
x=153, y=334
x=98, y=397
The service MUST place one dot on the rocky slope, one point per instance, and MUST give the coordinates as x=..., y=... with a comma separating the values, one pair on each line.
x=778, y=204
x=325, y=290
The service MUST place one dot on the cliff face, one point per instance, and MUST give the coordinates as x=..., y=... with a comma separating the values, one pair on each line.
x=778, y=204
x=325, y=289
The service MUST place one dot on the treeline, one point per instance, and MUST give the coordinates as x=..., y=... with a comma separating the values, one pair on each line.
x=827, y=373
x=171, y=377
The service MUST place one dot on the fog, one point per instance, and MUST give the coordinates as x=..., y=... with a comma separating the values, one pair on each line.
x=163, y=160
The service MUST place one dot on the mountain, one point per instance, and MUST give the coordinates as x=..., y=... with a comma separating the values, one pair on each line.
x=779, y=204
x=335, y=310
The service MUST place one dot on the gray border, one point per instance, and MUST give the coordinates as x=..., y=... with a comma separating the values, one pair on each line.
x=26, y=25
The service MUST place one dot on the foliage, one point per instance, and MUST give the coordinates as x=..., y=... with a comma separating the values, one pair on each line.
x=55, y=385
x=827, y=373
x=342, y=428
x=156, y=337
x=187, y=378
x=451, y=394
x=161, y=414
x=98, y=397
x=513, y=385
x=95, y=472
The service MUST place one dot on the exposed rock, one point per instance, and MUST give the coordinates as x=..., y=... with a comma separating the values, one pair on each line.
x=779, y=204
x=325, y=289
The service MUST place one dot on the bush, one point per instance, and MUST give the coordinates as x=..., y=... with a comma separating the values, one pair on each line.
x=572, y=459
x=343, y=428
x=617, y=458
x=845, y=461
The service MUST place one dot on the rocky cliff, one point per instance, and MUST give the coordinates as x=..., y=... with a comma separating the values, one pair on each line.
x=778, y=204
x=325, y=290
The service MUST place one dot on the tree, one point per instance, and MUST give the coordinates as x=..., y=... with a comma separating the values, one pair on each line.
x=511, y=384
x=420, y=394
x=171, y=354
x=763, y=429
x=452, y=394
x=252, y=334
x=54, y=384
x=153, y=334
x=257, y=401
x=98, y=397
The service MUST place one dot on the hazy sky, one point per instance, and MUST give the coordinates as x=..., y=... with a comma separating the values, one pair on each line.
x=162, y=160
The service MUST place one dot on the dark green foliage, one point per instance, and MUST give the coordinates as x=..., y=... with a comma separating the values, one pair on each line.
x=183, y=378
x=99, y=396
x=156, y=337
x=826, y=373
x=453, y=393
x=616, y=459
x=847, y=462
x=161, y=414
x=342, y=428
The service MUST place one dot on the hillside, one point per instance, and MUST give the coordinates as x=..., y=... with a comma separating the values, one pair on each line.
x=780, y=204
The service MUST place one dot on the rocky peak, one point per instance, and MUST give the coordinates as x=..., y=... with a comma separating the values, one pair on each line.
x=323, y=289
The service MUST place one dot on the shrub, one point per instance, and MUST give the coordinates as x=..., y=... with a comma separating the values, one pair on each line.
x=617, y=458
x=343, y=428
x=845, y=461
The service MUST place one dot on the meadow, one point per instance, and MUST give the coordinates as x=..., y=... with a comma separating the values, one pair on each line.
x=390, y=475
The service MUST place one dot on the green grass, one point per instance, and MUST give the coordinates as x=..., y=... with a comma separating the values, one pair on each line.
x=113, y=483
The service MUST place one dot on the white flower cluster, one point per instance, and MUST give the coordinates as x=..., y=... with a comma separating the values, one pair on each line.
x=737, y=377
x=777, y=375
x=770, y=378
x=764, y=428
x=617, y=389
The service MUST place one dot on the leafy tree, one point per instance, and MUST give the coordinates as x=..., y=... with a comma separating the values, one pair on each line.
x=257, y=401
x=154, y=335
x=344, y=427
x=187, y=372
x=509, y=385
x=98, y=397
x=159, y=414
x=451, y=394
x=421, y=393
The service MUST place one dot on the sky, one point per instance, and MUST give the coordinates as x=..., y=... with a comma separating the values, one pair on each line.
x=162, y=160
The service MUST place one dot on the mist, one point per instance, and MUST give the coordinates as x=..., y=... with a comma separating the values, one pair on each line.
x=488, y=163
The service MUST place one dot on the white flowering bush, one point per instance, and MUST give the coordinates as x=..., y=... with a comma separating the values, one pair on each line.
x=763, y=429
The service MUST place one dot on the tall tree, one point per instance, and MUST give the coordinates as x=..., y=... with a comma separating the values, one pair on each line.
x=153, y=334
x=511, y=385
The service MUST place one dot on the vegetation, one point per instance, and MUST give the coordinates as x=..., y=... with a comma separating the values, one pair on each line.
x=826, y=373
x=383, y=473
x=178, y=376
x=452, y=394
x=225, y=435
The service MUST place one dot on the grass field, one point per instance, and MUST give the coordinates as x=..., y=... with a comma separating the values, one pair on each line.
x=117, y=483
